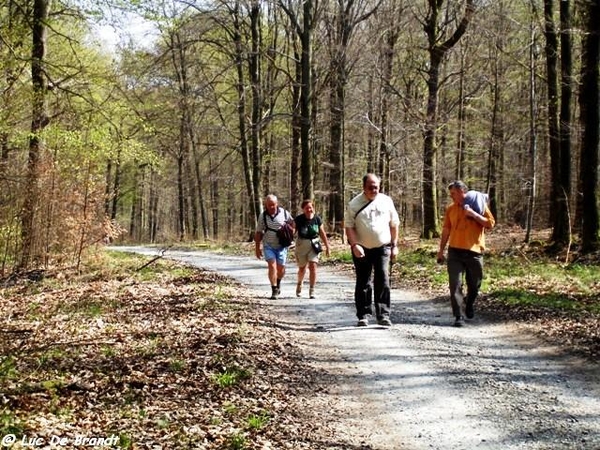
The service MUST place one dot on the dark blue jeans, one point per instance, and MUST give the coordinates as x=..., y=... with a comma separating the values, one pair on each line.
x=372, y=277
x=471, y=265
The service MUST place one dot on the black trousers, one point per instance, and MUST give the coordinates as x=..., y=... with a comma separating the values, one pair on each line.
x=471, y=265
x=373, y=282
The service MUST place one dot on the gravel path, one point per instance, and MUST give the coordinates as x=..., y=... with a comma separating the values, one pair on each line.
x=423, y=384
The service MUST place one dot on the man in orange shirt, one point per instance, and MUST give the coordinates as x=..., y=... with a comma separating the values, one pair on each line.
x=464, y=232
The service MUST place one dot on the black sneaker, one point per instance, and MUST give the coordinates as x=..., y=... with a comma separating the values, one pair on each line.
x=364, y=322
x=470, y=310
x=458, y=322
x=384, y=322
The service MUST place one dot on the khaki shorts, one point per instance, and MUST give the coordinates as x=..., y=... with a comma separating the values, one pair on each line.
x=305, y=252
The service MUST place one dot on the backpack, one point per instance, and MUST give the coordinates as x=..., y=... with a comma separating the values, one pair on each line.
x=285, y=234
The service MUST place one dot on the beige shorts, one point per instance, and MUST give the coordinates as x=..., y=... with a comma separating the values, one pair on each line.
x=305, y=252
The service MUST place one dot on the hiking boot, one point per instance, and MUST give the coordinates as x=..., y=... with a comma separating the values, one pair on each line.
x=311, y=292
x=384, y=322
x=364, y=322
x=458, y=322
x=274, y=292
x=298, y=289
x=470, y=310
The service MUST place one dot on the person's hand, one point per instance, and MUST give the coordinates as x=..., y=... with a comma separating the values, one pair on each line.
x=327, y=251
x=470, y=212
x=394, y=252
x=358, y=251
x=440, y=257
x=259, y=253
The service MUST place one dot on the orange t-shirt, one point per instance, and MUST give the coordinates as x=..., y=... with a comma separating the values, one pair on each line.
x=465, y=232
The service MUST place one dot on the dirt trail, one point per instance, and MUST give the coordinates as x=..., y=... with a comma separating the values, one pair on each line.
x=423, y=384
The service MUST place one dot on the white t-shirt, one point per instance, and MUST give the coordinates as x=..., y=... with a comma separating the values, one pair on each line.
x=372, y=224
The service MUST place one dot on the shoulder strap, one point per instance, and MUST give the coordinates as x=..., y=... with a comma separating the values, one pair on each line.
x=265, y=220
x=362, y=207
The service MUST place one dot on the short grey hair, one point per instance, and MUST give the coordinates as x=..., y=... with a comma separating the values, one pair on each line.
x=458, y=184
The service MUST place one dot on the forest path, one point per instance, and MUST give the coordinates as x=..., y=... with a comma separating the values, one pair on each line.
x=424, y=384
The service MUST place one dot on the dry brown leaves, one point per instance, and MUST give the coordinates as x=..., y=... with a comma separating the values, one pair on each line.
x=142, y=361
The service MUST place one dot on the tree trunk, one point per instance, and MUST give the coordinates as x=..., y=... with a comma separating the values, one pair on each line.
x=181, y=229
x=116, y=187
x=497, y=130
x=251, y=166
x=561, y=233
x=304, y=33
x=532, y=182
x=551, y=51
x=153, y=208
x=295, y=162
x=589, y=104
x=386, y=80
x=306, y=170
x=430, y=216
x=39, y=121
x=462, y=119
x=437, y=51
x=256, y=99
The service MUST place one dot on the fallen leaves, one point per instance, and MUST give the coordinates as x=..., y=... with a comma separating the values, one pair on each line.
x=179, y=361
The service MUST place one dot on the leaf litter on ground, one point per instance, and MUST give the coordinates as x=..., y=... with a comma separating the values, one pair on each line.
x=177, y=359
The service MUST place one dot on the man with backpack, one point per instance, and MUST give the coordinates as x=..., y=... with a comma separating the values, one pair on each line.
x=273, y=228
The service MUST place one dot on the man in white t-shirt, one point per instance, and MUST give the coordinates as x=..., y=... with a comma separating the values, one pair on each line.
x=371, y=223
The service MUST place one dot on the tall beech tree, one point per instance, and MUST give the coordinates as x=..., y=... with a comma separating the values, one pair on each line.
x=589, y=105
x=39, y=121
x=340, y=21
x=303, y=23
x=561, y=229
x=437, y=48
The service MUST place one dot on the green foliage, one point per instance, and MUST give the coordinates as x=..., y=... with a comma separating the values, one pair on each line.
x=256, y=422
x=177, y=365
x=110, y=264
x=125, y=441
x=230, y=377
x=420, y=266
x=237, y=441
x=513, y=280
x=10, y=424
x=8, y=368
x=543, y=283
x=230, y=408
